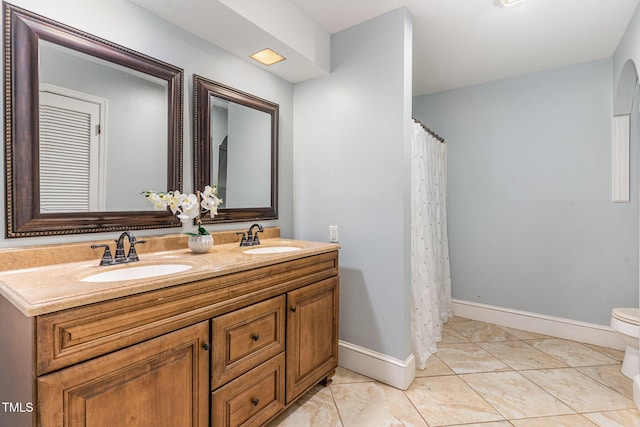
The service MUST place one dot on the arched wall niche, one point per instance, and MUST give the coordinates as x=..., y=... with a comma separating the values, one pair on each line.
x=626, y=89
x=624, y=136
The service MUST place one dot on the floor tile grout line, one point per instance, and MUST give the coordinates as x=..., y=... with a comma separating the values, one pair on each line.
x=483, y=398
x=614, y=361
x=550, y=393
x=601, y=382
x=335, y=404
x=404, y=392
x=512, y=367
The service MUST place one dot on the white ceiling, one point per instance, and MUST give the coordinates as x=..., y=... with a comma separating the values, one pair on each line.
x=456, y=43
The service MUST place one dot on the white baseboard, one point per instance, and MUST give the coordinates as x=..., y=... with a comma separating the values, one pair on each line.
x=539, y=323
x=394, y=372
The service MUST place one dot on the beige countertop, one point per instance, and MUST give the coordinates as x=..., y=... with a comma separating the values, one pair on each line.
x=42, y=290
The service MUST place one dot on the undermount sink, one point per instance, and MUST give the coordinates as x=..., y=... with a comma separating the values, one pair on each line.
x=271, y=250
x=138, y=272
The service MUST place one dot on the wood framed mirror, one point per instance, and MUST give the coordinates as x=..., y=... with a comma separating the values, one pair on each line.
x=236, y=148
x=57, y=183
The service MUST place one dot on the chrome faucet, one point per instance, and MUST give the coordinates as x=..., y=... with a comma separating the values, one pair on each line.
x=250, y=239
x=120, y=258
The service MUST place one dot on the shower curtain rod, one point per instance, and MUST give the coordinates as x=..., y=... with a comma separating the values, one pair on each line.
x=429, y=131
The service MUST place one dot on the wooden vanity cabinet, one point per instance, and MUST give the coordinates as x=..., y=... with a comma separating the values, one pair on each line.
x=232, y=350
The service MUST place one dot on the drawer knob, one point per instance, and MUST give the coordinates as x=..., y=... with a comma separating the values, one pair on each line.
x=255, y=401
x=293, y=308
x=206, y=346
x=255, y=337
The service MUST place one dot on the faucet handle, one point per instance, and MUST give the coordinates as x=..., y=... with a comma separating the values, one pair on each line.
x=132, y=256
x=243, y=242
x=256, y=240
x=107, y=258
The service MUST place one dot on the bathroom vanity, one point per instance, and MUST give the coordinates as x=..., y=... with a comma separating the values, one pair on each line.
x=233, y=340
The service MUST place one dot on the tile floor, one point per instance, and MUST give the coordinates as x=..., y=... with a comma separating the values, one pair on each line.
x=483, y=376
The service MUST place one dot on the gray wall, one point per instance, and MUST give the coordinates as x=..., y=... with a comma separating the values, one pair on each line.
x=531, y=222
x=351, y=169
x=123, y=23
x=627, y=54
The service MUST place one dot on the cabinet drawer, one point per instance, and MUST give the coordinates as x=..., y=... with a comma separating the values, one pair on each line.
x=245, y=338
x=251, y=399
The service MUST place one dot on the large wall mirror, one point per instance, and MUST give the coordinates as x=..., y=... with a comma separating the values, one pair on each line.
x=89, y=125
x=236, y=148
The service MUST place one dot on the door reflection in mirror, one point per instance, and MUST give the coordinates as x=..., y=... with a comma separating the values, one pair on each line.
x=72, y=160
x=241, y=150
x=104, y=165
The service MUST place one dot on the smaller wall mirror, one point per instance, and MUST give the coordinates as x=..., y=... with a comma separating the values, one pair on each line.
x=236, y=148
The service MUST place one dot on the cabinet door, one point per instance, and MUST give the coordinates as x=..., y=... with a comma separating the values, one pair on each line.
x=160, y=382
x=312, y=335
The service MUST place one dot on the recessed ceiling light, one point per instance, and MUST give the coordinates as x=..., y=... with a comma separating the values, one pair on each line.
x=507, y=3
x=267, y=57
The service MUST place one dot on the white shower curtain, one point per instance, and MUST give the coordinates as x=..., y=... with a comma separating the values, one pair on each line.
x=430, y=270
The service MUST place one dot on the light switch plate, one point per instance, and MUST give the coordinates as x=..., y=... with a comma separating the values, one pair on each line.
x=333, y=234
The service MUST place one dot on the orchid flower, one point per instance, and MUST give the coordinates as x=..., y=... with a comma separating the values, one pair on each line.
x=159, y=202
x=187, y=206
x=190, y=208
x=210, y=200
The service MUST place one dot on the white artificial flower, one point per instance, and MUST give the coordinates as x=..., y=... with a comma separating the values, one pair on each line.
x=159, y=203
x=209, y=191
x=185, y=206
x=174, y=201
x=189, y=205
x=211, y=204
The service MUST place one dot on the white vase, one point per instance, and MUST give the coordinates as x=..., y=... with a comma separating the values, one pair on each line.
x=201, y=243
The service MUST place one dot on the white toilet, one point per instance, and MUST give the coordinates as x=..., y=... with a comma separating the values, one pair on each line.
x=625, y=322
